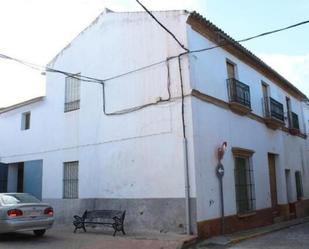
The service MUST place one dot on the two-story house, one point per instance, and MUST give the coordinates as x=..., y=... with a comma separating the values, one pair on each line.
x=141, y=133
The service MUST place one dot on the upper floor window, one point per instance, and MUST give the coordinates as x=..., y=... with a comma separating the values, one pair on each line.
x=272, y=109
x=72, y=94
x=292, y=118
x=25, y=121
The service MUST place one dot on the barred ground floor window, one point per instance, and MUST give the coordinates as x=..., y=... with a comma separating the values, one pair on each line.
x=244, y=181
x=70, y=180
x=299, y=185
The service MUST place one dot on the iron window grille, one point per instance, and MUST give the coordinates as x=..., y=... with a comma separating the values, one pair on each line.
x=299, y=186
x=72, y=94
x=273, y=109
x=239, y=92
x=3, y=178
x=70, y=180
x=244, y=185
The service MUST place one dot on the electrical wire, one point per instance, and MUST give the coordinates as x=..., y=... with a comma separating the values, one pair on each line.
x=253, y=37
x=102, y=81
x=165, y=28
x=136, y=108
x=97, y=80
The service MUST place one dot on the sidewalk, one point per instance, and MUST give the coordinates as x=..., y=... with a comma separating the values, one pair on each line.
x=247, y=234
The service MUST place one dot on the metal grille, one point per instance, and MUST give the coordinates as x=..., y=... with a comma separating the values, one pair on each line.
x=299, y=186
x=70, y=180
x=3, y=178
x=72, y=94
x=273, y=109
x=244, y=185
x=239, y=92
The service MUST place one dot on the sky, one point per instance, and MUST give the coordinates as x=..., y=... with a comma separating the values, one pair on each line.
x=36, y=30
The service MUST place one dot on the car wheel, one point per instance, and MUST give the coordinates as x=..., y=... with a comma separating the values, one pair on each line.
x=40, y=232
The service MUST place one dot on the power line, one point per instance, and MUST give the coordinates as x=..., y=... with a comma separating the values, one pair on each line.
x=254, y=37
x=97, y=80
x=165, y=28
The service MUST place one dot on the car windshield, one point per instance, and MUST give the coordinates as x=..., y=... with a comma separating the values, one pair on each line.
x=13, y=199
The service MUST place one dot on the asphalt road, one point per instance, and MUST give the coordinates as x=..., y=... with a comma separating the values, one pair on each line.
x=295, y=237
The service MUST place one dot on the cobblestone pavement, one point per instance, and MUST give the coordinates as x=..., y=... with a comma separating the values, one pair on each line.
x=64, y=238
x=295, y=237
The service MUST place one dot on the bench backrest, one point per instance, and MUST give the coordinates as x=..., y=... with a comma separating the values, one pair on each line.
x=104, y=214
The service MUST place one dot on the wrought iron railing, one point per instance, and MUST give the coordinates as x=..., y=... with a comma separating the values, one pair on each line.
x=273, y=109
x=239, y=92
x=295, y=122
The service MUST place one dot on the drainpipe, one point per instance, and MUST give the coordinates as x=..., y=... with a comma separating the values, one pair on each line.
x=187, y=186
x=185, y=152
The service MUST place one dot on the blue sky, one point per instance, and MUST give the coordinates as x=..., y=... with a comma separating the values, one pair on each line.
x=242, y=18
x=36, y=30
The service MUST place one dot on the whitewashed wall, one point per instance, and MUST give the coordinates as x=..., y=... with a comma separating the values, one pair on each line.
x=213, y=125
x=137, y=155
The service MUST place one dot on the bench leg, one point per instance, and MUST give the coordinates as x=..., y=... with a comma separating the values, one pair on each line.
x=122, y=230
x=84, y=228
x=115, y=232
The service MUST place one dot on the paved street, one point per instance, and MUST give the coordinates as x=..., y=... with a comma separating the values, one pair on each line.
x=64, y=238
x=296, y=237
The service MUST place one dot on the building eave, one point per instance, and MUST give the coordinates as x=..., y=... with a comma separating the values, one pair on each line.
x=218, y=36
x=21, y=104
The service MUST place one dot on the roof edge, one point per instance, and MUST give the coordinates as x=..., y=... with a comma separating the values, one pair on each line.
x=220, y=35
x=21, y=104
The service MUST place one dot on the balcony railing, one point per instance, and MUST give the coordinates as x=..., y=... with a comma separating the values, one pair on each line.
x=239, y=92
x=294, y=123
x=273, y=109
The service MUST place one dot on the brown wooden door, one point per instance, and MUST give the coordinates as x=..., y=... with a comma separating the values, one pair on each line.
x=230, y=70
x=272, y=180
x=265, y=98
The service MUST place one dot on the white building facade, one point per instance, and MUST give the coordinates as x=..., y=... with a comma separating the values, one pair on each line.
x=147, y=141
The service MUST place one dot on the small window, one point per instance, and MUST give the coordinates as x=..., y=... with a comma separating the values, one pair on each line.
x=299, y=186
x=25, y=121
x=244, y=183
x=72, y=94
x=70, y=180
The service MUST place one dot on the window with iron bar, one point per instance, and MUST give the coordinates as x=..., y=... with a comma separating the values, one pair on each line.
x=244, y=185
x=72, y=94
x=299, y=186
x=70, y=180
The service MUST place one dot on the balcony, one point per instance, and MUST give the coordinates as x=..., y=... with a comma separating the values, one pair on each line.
x=273, y=113
x=239, y=96
x=294, y=124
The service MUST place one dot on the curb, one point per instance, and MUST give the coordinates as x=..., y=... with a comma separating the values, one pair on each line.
x=188, y=242
x=274, y=229
x=264, y=230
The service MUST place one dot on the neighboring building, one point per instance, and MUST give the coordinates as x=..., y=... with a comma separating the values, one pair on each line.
x=81, y=148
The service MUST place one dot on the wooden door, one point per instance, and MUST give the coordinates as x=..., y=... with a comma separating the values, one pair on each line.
x=265, y=98
x=230, y=70
x=272, y=180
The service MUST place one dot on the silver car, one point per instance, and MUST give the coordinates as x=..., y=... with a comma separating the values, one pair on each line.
x=24, y=212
